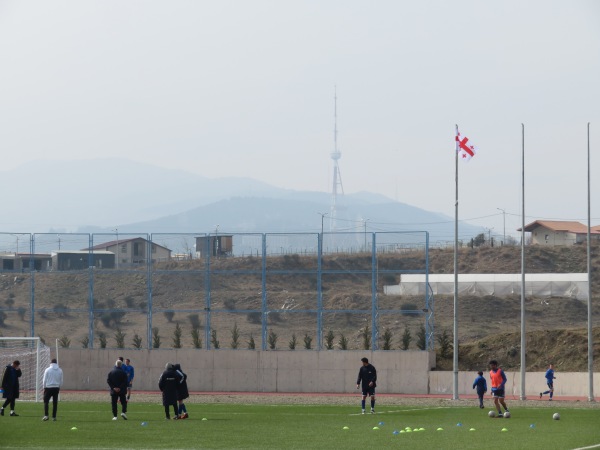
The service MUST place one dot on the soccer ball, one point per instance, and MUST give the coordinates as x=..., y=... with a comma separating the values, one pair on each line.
x=556, y=416
x=507, y=415
x=492, y=414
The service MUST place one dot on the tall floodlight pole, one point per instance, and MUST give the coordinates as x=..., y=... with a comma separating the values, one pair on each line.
x=589, y=268
x=455, y=324
x=504, y=225
x=523, y=361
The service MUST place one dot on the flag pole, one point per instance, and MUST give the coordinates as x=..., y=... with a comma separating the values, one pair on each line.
x=589, y=269
x=523, y=336
x=455, y=326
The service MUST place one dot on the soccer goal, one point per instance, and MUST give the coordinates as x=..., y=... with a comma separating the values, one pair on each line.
x=34, y=357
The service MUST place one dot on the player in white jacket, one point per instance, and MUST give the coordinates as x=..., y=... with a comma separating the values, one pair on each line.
x=52, y=381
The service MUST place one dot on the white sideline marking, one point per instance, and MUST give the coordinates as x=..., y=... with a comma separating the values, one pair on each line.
x=585, y=448
x=87, y=448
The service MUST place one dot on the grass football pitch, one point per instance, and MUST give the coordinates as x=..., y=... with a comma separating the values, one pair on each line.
x=88, y=425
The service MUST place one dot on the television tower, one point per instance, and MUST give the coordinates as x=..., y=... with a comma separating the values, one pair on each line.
x=337, y=176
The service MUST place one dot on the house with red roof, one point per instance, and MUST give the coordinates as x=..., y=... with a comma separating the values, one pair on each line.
x=560, y=232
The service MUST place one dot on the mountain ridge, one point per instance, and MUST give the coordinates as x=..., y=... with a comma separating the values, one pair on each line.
x=99, y=195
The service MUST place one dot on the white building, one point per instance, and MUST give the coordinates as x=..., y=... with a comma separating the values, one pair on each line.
x=135, y=251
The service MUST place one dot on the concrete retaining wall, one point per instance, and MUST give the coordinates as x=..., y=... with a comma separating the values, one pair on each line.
x=405, y=372
x=253, y=371
x=572, y=384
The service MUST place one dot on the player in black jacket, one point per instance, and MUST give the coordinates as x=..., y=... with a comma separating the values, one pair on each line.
x=367, y=376
x=182, y=392
x=167, y=383
x=117, y=380
x=10, y=387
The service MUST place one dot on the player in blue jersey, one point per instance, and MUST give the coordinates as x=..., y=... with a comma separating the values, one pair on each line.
x=128, y=368
x=481, y=386
x=549, y=381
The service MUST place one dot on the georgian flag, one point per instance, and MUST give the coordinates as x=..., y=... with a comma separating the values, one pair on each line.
x=466, y=150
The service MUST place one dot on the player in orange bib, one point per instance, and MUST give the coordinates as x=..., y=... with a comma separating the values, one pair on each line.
x=498, y=380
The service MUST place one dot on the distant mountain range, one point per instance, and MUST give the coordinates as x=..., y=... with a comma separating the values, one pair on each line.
x=101, y=195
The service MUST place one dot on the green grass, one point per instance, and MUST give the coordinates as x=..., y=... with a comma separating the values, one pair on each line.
x=292, y=426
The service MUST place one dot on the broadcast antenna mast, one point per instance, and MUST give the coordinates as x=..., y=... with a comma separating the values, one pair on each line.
x=337, y=176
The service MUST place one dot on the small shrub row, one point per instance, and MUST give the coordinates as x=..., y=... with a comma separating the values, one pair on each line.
x=330, y=343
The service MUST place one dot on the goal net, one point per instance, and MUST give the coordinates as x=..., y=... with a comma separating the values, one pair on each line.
x=34, y=357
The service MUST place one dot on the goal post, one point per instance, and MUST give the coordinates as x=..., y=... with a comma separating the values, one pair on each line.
x=34, y=357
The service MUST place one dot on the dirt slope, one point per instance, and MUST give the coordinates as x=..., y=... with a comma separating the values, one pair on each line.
x=488, y=326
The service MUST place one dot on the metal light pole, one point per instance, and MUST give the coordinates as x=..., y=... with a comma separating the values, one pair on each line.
x=589, y=270
x=365, y=225
x=523, y=335
x=504, y=224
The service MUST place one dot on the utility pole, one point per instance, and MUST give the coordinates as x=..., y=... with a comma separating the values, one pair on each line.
x=116, y=230
x=489, y=232
x=322, y=219
x=216, y=246
x=17, y=238
x=504, y=223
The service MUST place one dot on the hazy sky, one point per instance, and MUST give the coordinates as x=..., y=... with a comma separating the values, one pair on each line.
x=245, y=88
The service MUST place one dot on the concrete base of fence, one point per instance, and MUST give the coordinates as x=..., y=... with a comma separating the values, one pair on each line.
x=568, y=384
x=333, y=371
x=250, y=370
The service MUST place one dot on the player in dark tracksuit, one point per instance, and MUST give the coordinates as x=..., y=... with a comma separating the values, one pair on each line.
x=10, y=387
x=182, y=392
x=367, y=376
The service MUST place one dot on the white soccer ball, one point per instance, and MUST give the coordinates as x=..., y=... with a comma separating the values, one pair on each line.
x=492, y=414
x=556, y=416
x=507, y=415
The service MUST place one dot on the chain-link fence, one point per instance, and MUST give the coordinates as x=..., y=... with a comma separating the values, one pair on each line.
x=283, y=291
